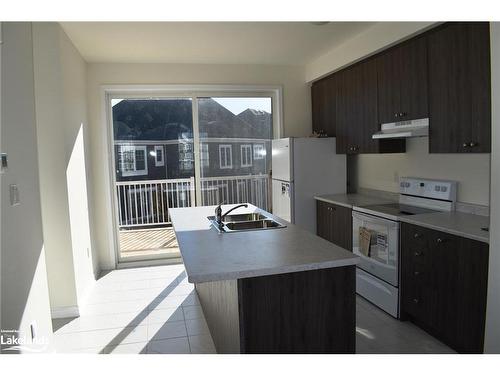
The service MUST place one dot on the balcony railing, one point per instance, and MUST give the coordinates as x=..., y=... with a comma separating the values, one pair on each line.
x=147, y=203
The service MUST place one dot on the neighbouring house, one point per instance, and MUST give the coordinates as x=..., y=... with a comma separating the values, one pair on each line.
x=154, y=140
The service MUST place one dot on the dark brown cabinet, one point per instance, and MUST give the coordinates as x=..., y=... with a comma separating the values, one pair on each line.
x=357, y=109
x=334, y=223
x=444, y=286
x=402, y=82
x=357, y=118
x=459, y=88
x=443, y=74
x=323, y=97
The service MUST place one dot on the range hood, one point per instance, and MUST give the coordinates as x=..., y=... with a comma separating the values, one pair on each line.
x=404, y=129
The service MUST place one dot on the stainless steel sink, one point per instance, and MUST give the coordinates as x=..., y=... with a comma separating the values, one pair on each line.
x=244, y=217
x=245, y=222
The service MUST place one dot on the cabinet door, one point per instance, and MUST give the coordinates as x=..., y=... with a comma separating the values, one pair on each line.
x=323, y=220
x=480, y=71
x=459, y=88
x=342, y=226
x=389, y=86
x=366, y=105
x=323, y=94
x=413, y=78
x=357, y=109
x=346, y=114
x=472, y=278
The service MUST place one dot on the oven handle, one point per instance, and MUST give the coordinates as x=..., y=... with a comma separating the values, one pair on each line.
x=375, y=219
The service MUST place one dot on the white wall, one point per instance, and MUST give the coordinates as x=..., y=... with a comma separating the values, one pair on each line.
x=24, y=294
x=492, y=340
x=61, y=116
x=381, y=171
x=296, y=107
x=378, y=37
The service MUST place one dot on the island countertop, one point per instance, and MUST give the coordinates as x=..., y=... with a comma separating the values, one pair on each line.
x=212, y=256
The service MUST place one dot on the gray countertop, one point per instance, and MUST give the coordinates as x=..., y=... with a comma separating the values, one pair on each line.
x=455, y=222
x=210, y=256
x=351, y=200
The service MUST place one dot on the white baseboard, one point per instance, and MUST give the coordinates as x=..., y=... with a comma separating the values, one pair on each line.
x=148, y=263
x=65, y=312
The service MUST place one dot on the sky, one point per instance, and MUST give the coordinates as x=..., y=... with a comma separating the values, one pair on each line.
x=238, y=105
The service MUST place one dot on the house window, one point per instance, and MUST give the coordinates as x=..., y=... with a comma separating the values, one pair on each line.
x=246, y=155
x=205, y=157
x=226, y=156
x=186, y=159
x=259, y=152
x=133, y=161
x=159, y=156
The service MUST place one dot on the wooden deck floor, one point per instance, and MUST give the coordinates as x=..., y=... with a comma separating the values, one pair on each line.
x=141, y=242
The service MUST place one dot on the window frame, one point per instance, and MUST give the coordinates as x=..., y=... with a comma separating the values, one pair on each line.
x=108, y=92
x=162, y=162
x=247, y=150
x=188, y=150
x=135, y=172
x=258, y=156
x=204, y=161
x=226, y=164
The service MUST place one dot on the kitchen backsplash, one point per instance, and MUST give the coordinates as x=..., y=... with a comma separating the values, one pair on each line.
x=382, y=171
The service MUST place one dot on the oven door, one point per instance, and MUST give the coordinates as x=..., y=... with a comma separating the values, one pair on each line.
x=376, y=242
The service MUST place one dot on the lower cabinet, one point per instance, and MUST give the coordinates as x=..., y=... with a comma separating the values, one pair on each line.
x=444, y=286
x=334, y=223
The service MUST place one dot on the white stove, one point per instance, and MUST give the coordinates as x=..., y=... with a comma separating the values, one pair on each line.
x=376, y=236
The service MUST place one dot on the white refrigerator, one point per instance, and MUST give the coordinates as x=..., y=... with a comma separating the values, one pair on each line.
x=301, y=169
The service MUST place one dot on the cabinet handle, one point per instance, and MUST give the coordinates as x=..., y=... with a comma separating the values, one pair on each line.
x=465, y=145
x=472, y=144
x=415, y=300
x=396, y=115
x=418, y=253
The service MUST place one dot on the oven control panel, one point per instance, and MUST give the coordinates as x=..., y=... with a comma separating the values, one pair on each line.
x=427, y=188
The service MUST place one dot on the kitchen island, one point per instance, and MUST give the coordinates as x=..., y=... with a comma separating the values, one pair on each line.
x=280, y=290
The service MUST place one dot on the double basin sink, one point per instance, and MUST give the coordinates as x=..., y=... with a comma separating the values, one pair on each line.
x=245, y=222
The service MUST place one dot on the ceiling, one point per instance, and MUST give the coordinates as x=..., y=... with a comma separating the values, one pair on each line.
x=289, y=43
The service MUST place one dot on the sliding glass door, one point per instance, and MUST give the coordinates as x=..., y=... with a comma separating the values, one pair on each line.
x=184, y=151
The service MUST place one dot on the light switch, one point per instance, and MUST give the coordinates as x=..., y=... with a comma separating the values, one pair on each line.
x=14, y=195
x=3, y=162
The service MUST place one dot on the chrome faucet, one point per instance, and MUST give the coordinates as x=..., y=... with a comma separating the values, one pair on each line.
x=219, y=216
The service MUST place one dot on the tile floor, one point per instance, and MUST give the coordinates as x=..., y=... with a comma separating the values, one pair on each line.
x=155, y=310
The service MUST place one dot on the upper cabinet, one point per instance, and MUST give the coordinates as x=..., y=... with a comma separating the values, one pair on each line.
x=357, y=118
x=459, y=88
x=443, y=75
x=323, y=96
x=402, y=82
